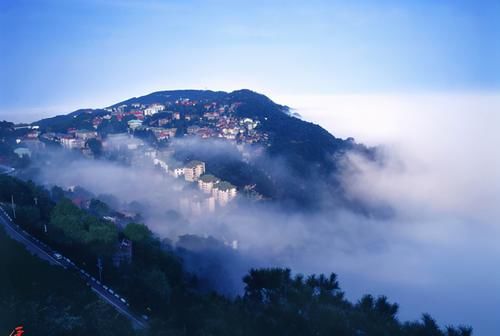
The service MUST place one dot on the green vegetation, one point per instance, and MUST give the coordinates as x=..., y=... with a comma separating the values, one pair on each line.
x=95, y=147
x=274, y=302
x=48, y=300
x=75, y=226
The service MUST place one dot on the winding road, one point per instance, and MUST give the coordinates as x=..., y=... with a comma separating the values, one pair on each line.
x=41, y=250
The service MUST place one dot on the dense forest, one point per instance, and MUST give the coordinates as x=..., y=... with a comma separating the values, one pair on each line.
x=48, y=300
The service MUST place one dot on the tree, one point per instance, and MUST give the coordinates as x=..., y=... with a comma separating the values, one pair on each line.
x=57, y=193
x=138, y=233
x=79, y=227
x=28, y=216
x=266, y=285
x=95, y=146
x=98, y=207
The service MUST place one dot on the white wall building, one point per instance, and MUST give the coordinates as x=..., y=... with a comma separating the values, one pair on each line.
x=153, y=109
x=72, y=143
x=134, y=123
x=224, y=192
x=194, y=170
x=206, y=183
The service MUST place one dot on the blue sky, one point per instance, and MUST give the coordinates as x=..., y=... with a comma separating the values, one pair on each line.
x=58, y=55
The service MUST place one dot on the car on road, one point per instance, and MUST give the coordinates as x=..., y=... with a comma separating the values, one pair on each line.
x=57, y=256
x=123, y=300
x=111, y=291
x=105, y=287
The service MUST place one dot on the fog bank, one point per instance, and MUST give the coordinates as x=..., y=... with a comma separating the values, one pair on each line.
x=441, y=175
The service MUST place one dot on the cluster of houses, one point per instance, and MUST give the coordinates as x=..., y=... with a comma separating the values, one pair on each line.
x=218, y=121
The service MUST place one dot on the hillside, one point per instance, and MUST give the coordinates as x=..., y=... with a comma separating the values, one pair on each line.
x=47, y=300
x=299, y=156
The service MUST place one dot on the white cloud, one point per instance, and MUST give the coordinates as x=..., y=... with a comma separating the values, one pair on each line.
x=441, y=175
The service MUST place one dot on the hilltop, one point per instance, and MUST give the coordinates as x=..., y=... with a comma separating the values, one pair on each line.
x=303, y=154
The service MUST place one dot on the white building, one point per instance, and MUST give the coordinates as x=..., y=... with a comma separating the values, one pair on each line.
x=72, y=143
x=134, y=123
x=194, y=170
x=206, y=183
x=224, y=192
x=153, y=109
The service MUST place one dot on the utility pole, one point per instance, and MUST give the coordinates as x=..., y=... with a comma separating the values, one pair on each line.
x=13, y=206
x=99, y=266
x=36, y=201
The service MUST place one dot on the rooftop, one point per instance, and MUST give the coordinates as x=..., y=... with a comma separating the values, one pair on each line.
x=209, y=178
x=224, y=185
x=194, y=163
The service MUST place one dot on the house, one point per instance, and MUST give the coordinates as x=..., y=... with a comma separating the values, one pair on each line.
x=194, y=170
x=153, y=109
x=224, y=192
x=206, y=183
x=134, y=124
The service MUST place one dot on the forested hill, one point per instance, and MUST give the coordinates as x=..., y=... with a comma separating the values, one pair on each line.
x=302, y=144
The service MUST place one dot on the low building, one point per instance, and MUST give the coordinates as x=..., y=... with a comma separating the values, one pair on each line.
x=134, y=124
x=153, y=109
x=193, y=170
